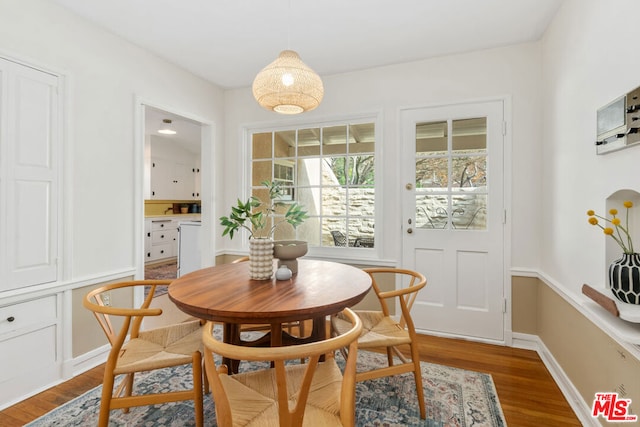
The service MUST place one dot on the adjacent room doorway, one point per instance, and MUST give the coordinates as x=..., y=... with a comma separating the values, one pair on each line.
x=191, y=145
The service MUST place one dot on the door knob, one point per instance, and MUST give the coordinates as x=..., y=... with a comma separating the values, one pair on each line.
x=409, y=230
x=409, y=186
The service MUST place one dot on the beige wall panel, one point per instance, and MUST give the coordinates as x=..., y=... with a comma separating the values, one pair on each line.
x=524, y=292
x=86, y=332
x=591, y=359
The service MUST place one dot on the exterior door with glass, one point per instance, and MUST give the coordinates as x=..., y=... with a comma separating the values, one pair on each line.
x=454, y=215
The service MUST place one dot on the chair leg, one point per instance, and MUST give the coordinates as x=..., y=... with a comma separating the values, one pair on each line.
x=205, y=379
x=128, y=388
x=390, y=356
x=105, y=400
x=196, y=367
x=417, y=375
x=301, y=328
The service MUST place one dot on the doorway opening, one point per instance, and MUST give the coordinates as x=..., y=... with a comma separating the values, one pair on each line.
x=172, y=189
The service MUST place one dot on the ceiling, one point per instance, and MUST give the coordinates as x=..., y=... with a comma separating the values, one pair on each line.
x=188, y=132
x=228, y=41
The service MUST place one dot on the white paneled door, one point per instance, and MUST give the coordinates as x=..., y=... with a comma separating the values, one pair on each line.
x=29, y=173
x=454, y=214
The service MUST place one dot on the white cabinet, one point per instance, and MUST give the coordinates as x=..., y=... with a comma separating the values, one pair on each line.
x=173, y=172
x=198, y=180
x=29, y=333
x=162, y=237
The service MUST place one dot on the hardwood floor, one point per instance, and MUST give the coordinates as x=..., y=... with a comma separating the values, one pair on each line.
x=528, y=395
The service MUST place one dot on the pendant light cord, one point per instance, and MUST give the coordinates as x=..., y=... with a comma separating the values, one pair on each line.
x=289, y=26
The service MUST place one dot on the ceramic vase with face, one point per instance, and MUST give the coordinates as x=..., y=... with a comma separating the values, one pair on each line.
x=260, y=259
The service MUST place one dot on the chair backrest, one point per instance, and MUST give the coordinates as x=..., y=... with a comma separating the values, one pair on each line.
x=339, y=239
x=96, y=300
x=406, y=295
x=289, y=415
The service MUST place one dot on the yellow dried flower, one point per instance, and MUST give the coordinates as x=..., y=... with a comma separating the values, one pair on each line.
x=618, y=231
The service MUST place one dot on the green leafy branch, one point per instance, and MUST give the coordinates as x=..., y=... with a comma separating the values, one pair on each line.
x=252, y=218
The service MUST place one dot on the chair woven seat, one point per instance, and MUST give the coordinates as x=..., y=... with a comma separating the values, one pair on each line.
x=160, y=348
x=378, y=330
x=254, y=401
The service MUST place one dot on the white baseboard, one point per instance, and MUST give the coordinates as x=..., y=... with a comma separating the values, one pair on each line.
x=90, y=360
x=577, y=403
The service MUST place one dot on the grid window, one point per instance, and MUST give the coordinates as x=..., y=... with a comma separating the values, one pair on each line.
x=330, y=171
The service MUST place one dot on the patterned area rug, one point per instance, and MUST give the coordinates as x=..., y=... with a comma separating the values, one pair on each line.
x=454, y=398
x=163, y=271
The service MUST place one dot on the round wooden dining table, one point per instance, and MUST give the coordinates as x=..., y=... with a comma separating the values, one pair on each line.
x=225, y=293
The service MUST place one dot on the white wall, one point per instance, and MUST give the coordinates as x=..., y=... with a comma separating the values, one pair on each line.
x=105, y=74
x=589, y=60
x=513, y=71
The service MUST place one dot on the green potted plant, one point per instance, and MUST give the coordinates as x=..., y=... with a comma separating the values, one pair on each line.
x=259, y=219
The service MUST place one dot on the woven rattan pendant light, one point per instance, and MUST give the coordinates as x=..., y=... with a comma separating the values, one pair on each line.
x=288, y=85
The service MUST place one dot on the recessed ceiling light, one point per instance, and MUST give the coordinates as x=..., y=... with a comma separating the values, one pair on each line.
x=166, y=129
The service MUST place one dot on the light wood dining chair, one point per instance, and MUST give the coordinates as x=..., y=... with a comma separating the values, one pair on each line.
x=311, y=394
x=134, y=350
x=381, y=331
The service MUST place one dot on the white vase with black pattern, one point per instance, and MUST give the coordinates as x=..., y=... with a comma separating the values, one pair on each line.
x=260, y=258
x=624, y=278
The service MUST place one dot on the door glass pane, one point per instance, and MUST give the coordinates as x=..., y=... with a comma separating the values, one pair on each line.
x=469, y=135
x=469, y=211
x=431, y=138
x=432, y=173
x=452, y=174
x=431, y=211
x=469, y=173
